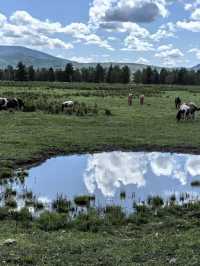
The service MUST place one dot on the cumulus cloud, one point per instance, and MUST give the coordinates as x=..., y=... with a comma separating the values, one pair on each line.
x=193, y=165
x=127, y=10
x=196, y=51
x=169, y=55
x=161, y=164
x=164, y=31
x=196, y=14
x=193, y=26
x=108, y=171
x=23, y=29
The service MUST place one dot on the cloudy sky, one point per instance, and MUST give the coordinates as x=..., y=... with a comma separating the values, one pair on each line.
x=159, y=32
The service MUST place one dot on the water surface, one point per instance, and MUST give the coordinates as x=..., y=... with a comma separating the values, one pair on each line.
x=106, y=175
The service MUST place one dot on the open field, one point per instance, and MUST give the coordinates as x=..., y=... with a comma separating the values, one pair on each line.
x=168, y=237
x=43, y=130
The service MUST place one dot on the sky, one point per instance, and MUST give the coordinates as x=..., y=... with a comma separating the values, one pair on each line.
x=157, y=32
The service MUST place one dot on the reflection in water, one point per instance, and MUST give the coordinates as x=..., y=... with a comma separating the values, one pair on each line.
x=106, y=175
x=108, y=171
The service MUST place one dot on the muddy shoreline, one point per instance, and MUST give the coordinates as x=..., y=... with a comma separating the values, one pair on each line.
x=41, y=158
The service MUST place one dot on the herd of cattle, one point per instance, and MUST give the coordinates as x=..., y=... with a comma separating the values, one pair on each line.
x=185, y=110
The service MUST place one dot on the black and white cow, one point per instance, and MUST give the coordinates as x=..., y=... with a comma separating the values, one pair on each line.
x=67, y=105
x=187, y=111
x=6, y=103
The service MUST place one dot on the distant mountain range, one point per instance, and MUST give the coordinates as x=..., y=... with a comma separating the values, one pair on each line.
x=196, y=68
x=11, y=55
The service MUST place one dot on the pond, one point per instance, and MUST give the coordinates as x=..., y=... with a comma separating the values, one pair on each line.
x=118, y=178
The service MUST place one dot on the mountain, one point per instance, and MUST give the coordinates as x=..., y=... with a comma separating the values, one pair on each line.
x=196, y=68
x=11, y=55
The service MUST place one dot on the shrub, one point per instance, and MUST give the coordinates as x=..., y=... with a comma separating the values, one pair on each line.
x=84, y=201
x=122, y=195
x=6, y=173
x=155, y=202
x=11, y=203
x=61, y=204
x=195, y=183
x=108, y=112
x=50, y=221
x=90, y=221
x=38, y=205
x=4, y=213
x=114, y=215
x=23, y=215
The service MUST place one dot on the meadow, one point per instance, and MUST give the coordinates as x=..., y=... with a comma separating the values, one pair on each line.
x=103, y=122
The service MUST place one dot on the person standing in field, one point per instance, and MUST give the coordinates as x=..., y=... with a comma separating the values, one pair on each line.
x=141, y=99
x=130, y=99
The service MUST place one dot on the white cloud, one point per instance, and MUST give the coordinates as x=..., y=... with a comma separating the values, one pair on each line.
x=81, y=59
x=23, y=29
x=164, y=31
x=196, y=51
x=193, y=165
x=169, y=55
x=107, y=171
x=161, y=164
x=142, y=60
x=193, y=26
x=196, y=14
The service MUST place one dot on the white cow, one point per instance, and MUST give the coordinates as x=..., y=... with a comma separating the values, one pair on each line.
x=67, y=104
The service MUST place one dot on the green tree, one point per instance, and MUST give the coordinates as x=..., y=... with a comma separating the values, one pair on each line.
x=21, y=74
x=125, y=74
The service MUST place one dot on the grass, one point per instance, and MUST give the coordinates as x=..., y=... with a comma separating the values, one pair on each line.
x=140, y=239
x=33, y=136
x=165, y=236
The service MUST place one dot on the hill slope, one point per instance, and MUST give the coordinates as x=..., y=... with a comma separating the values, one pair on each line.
x=11, y=55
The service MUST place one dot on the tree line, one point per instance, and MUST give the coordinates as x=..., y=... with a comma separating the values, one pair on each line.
x=112, y=74
x=180, y=76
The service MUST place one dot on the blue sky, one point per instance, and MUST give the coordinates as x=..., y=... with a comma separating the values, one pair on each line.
x=159, y=32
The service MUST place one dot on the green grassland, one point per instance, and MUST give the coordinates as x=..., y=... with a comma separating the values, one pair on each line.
x=43, y=130
x=169, y=237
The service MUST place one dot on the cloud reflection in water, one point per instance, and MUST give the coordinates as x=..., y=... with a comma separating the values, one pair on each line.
x=107, y=172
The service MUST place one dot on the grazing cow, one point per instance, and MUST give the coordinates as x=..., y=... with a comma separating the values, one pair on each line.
x=6, y=103
x=187, y=111
x=141, y=99
x=67, y=105
x=177, y=102
x=130, y=99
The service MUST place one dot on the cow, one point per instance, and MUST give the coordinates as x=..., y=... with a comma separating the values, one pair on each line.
x=14, y=103
x=67, y=105
x=187, y=111
x=177, y=102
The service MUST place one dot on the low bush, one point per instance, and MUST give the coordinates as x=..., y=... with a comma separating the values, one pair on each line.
x=61, y=204
x=50, y=221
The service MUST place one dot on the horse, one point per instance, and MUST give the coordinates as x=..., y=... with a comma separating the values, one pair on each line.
x=67, y=104
x=177, y=102
x=15, y=103
x=141, y=99
x=187, y=111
